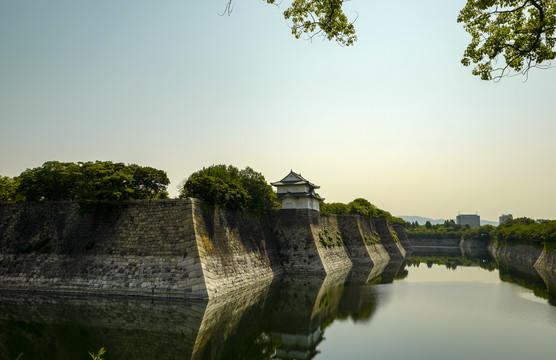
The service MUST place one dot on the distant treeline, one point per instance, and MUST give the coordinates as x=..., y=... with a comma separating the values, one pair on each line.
x=448, y=230
x=361, y=207
x=512, y=231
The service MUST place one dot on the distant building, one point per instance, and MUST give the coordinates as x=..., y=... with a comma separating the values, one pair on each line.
x=471, y=220
x=505, y=217
x=295, y=192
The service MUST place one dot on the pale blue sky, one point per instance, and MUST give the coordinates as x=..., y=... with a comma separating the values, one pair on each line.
x=395, y=119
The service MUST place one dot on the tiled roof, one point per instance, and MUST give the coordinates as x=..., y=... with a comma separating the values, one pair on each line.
x=300, y=181
x=298, y=195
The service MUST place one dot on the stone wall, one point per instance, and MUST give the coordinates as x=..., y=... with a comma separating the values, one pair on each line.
x=326, y=231
x=148, y=248
x=520, y=257
x=310, y=242
x=235, y=249
x=546, y=263
x=404, y=241
x=428, y=241
x=362, y=241
x=171, y=248
x=293, y=232
x=523, y=264
x=546, y=266
x=475, y=247
x=390, y=242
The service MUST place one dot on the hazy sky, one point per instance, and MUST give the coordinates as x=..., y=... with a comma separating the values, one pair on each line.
x=395, y=119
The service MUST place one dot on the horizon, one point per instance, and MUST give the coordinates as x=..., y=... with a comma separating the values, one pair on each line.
x=445, y=218
x=395, y=119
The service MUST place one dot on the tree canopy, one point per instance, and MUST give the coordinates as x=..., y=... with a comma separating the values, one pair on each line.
x=519, y=31
x=99, y=182
x=508, y=36
x=312, y=18
x=525, y=230
x=8, y=188
x=230, y=188
x=361, y=207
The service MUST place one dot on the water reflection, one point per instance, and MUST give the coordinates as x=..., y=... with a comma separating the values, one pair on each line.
x=524, y=274
x=285, y=319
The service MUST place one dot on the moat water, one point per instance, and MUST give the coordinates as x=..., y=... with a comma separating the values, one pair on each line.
x=439, y=304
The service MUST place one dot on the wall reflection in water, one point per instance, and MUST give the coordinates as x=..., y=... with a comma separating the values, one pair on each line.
x=522, y=273
x=285, y=319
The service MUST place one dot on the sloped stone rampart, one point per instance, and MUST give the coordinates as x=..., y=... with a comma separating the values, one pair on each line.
x=171, y=248
x=235, y=249
x=296, y=244
x=363, y=244
x=148, y=248
x=521, y=257
x=310, y=242
x=330, y=243
x=430, y=241
x=404, y=241
x=390, y=243
x=546, y=264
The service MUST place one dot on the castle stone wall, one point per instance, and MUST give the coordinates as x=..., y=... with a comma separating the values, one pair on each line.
x=147, y=248
x=172, y=248
x=390, y=242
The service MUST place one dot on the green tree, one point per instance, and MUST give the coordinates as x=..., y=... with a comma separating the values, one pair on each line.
x=361, y=207
x=8, y=188
x=53, y=181
x=519, y=31
x=231, y=188
x=312, y=18
x=260, y=193
x=99, y=182
x=216, y=192
x=334, y=208
x=148, y=182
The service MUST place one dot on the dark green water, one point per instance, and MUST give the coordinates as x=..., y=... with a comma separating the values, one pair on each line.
x=440, y=304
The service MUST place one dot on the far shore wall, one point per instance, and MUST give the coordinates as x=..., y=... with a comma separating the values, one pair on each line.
x=429, y=241
x=171, y=248
x=521, y=257
x=525, y=263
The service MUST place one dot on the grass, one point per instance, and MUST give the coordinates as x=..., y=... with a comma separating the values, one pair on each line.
x=98, y=355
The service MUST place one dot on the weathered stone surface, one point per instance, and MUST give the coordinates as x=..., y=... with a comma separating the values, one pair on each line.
x=521, y=257
x=170, y=248
x=404, y=241
x=546, y=266
x=390, y=243
x=427, y=241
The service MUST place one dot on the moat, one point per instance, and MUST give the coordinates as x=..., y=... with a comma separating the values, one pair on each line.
x=437, y=304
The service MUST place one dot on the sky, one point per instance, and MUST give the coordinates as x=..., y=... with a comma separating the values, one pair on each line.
x=395, y=119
